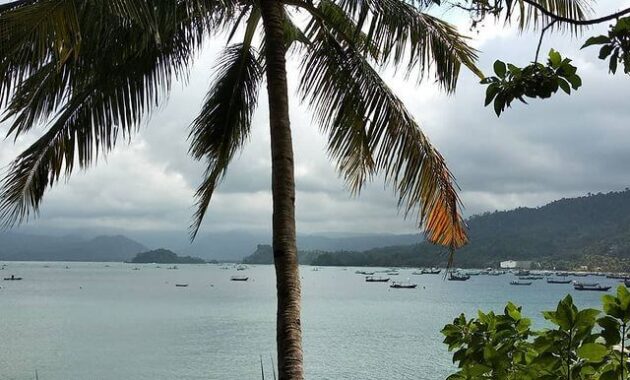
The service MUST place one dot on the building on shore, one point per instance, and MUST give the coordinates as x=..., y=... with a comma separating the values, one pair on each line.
x=513, y=264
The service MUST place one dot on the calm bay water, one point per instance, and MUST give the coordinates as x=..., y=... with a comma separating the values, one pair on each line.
x=96, y=322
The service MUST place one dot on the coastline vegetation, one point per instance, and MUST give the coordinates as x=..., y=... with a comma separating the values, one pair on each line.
x=587, y=344
x=164, y=256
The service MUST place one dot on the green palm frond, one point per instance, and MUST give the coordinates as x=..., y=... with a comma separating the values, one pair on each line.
x=92, y=100
x=223, y=126
x=529, y=17
x=403, y=34
x=370, y=132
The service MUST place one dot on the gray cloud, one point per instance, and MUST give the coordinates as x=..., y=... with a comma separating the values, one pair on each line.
x=565, y=146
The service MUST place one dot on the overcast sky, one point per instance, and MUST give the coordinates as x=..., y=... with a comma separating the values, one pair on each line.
x=566, y=146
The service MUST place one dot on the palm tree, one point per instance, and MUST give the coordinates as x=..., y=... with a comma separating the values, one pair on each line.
x=91, y=71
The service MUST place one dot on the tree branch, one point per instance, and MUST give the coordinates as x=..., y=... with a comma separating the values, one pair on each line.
x=568, y=20
x=542, y=35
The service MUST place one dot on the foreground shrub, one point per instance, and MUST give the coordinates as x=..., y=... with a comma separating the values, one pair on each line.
x=583, y=344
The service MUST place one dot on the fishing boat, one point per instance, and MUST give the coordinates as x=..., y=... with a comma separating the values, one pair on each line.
x=402, y=285
x=521, y=283
x=239, y=278
x=458, y=277
x=431, y=271
x=181, y=285
x=522, y=273
x=591, y=287
x=579, y=274
x=531, y=278
x=376, y=279
x=556, y=281
x=364, y=272
x=12, y=278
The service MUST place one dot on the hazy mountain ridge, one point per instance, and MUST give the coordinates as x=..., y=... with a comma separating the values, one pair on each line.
x=30, y=247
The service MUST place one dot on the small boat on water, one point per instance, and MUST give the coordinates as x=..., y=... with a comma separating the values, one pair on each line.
x=376, y=279
x=555, y=281
x=12, y=278
x=521, y=283
x=531, y=278
x=135, y=268
x=173, y=267
x=392, y=273
x=579, y=274
x=181, y=285
x=458, y=277
x=241, y=267
x=416, y=273
x=431, y=271
x=522, y=273
x=562, y=274
x=239, y=278
x=591, y=287
x=402, y=285
x=364, y=273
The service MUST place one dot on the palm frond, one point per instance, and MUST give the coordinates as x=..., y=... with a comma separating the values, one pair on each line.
x=92, y=100
x=530, y=17
x=223, y=126
x=370, y=132
x=403, y=34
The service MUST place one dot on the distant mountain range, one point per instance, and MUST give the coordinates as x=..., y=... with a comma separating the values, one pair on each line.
x=28, y=247
x=229, y=246
x=593, y=230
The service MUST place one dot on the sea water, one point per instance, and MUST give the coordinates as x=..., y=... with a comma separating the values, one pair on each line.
x=106, y=321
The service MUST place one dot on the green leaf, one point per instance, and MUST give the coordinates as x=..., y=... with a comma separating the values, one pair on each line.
x=500, y=69
x=555, y=58
x=576, y=81
x=593, y=352
x=612, y=66
x=597, y=40
x=491, y=92
x=605, y=51
x=564, y=85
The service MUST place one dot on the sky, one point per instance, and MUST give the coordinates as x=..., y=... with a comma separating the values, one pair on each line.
x=562, y=147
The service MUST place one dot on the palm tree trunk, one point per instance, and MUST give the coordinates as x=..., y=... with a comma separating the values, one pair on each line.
x=288, y=328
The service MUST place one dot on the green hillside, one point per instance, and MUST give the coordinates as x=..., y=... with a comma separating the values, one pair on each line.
x=592, y=230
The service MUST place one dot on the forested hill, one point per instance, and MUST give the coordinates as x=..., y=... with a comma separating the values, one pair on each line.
x=592, y=230
x=567, y=229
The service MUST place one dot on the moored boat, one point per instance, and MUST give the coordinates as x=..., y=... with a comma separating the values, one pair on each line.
x=12, y=278
x=591, y=287
x=458, y=277
x=402, y=285
x=239, y=278
x=376, y=279
x=555, y=281
x=521, y=283
x=181, y=285
x=531, y=278
x=364, y=272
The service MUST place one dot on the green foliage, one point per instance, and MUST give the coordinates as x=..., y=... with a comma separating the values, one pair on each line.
x=533, y=81
x=615, y=45
x=580, y=346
